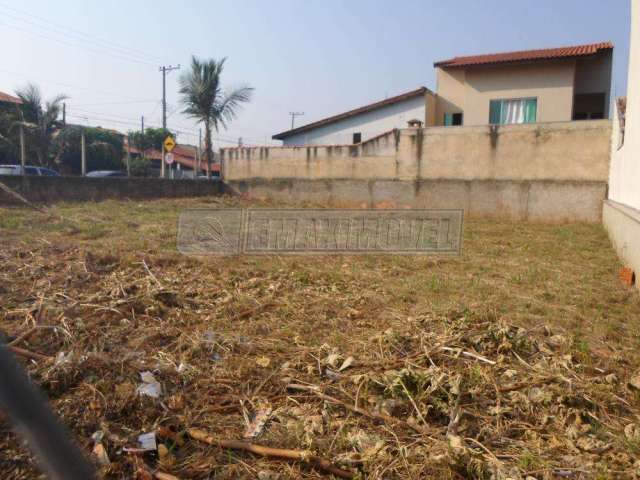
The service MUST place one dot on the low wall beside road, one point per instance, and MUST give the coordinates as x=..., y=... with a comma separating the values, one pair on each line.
x=69, y=189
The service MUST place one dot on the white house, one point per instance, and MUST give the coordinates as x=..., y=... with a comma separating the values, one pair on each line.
x=360, y=124
x=621, y=212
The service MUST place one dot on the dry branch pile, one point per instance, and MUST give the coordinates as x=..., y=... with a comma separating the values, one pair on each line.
x=271, y=368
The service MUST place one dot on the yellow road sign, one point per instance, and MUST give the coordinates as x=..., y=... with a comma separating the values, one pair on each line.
x=169, y=143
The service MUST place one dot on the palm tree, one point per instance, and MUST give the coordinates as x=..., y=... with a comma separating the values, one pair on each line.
x=40, y=121
x=205, y=101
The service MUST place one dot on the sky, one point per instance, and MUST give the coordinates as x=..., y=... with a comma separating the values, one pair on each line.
x=320, y=57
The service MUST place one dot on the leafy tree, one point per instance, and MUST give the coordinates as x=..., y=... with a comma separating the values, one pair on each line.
x=104, y=149
x=204, y=99
x=40, y=121
x=9, y=133
x=151, y=138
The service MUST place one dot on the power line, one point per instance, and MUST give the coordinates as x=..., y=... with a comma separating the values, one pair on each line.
x=77, y=32
x=70, y=44
x=68, y=85
x=190, y=133
x=77, y=35
x=131, y=102
x=126, y=120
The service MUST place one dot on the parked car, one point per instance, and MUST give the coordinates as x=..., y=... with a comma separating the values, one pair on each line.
x=213, y=177
x=107, y=173
x=28, y=170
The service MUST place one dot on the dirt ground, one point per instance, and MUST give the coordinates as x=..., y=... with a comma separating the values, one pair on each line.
x=518, y=359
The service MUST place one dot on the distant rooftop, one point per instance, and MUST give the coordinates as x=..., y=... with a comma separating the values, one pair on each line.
x=351, y=113
x=6, y=98
x=526, y=55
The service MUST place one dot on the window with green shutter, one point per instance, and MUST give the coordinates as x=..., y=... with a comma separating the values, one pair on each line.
x=453, y=119
x=495, y=107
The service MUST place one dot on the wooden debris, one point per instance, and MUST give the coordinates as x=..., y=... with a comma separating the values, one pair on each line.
x=284, y=454
x=354, y=408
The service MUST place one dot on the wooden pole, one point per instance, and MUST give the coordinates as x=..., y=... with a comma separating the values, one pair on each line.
x=83, y=154
x=23, y=151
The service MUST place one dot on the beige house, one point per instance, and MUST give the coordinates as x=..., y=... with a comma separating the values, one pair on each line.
x=550, y=85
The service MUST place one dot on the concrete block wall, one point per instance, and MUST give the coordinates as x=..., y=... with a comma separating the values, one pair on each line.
x=540, y=172
x=55, y=189
x=539, y=201
x=551, y=151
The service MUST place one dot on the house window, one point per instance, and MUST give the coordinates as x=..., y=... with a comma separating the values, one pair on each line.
x=516, y=110
x=357, y=138
x=452, y=119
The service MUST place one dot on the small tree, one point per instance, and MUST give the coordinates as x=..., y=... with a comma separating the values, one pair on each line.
x=9, y=133
x=152, y=138
x=40, y=121
x=204, y=100
x=105, y=149
x=140, y=167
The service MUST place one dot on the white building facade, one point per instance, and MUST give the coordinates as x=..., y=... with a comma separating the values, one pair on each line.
x=361, y=124
x=621, y=212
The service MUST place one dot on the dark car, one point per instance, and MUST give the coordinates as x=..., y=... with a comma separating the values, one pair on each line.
x=28, y=170
x=107, y=173
x=213, y=176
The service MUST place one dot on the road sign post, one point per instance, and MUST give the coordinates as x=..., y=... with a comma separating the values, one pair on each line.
x=167, y=146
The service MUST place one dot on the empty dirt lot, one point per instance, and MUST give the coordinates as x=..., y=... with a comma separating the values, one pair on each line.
x=517, y=359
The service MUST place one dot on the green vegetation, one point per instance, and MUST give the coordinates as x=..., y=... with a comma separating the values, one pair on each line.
x=104, y=149
x=152, y=138
x=51, y=144
x=140, y=167
x=38, y=119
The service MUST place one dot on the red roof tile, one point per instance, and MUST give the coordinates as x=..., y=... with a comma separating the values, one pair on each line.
x=182, y=154
x=525, y=55
x=351, y=113
x=6, y=98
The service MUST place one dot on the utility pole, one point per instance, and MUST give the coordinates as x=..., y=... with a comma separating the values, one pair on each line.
x=293, y=117
x=64, y=114
x=83, y=154
x=129, y=155
x=141, y=148
x=164, y=69
x=23, y=151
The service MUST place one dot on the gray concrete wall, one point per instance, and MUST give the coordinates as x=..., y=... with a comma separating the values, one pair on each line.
x=539, y=200
x=55, y=189
x=623, y=225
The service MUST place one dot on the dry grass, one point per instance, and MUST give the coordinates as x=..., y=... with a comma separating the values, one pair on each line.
x=527, y=338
